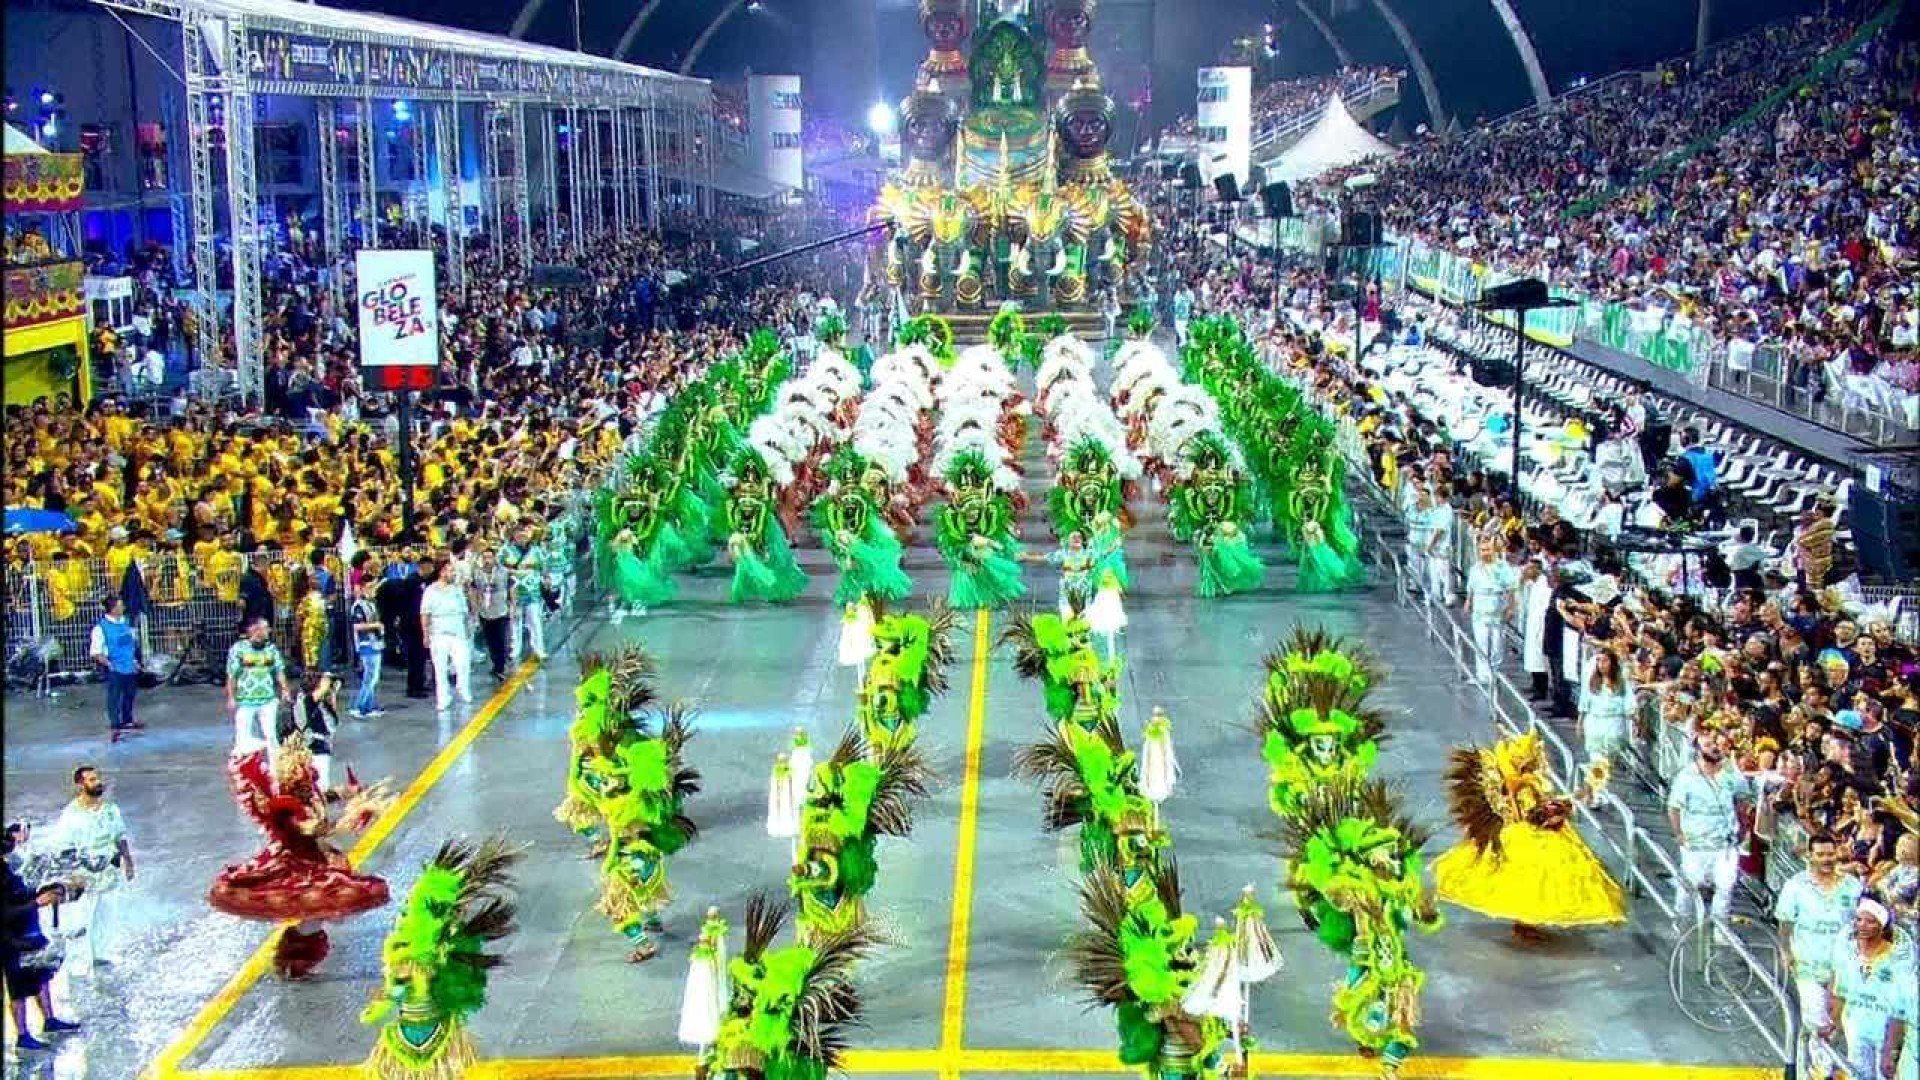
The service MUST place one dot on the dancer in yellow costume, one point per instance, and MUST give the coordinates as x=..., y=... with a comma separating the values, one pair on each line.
x=1522, y=859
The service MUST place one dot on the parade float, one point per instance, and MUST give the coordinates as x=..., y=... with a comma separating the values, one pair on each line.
x=1006, y=193
x=46, y=310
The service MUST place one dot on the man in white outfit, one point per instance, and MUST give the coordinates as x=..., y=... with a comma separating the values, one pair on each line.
x=1701, y=808
x=1815, y=910
x=1439, y=552
x=1536, y=598
x=1489, y=608
x=91, y=827
x=447, y=624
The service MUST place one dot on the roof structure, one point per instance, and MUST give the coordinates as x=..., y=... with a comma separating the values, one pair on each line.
x=1336, y=140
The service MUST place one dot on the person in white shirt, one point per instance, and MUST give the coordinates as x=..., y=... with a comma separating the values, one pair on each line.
x=1536, y=600
x=92, y=827
x=1490, y=589
x=1702, y=808
x=447, y=624
x=1874, y=976
x=1814, y=910
x=1440, y=523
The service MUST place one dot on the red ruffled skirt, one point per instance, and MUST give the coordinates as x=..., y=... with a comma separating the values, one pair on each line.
x=276, y=884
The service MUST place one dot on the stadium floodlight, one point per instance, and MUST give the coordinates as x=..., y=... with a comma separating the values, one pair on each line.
x=880, y=118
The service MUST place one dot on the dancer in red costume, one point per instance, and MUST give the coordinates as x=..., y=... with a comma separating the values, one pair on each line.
x=299, y=875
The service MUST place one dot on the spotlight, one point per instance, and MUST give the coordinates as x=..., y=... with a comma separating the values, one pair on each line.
x=880, y=118
x=47, y=97
x=754, y=6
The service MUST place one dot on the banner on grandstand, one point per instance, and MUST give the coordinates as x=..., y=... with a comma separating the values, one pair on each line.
x=277, y=56
x=1224, y=117
x=399, y=318
x=773, y=129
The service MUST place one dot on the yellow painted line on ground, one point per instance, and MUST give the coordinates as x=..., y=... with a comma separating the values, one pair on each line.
x=167, y=1064
x=953, y=1014
x=1058, y=1063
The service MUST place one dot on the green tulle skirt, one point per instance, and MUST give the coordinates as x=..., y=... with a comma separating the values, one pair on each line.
x=1228, y=567
x=1116, y=562
x=641, y=582
x=990, y=582
x=1322, y=569
x=773, y=577
x=689, y=517
x=871, y=567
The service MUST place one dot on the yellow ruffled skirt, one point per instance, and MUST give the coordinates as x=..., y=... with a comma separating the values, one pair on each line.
x=1541, y=877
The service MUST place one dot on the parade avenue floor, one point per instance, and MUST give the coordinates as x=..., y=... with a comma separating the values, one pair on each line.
x=977, y=904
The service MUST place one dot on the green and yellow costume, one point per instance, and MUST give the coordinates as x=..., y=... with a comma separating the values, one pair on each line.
x=849, y=519
x=763, y=564
x=613, y=689
x=1316, y=724
x=854, y=797
x=975, y=537
x=907, y=671
x=646, y=824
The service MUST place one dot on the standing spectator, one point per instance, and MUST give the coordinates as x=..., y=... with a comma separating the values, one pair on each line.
x=256, y=682
x=1702, y=808
x=1606, y=708
x=1536, y=602
x=492, y=601
x=1440, y=521
x=1489, y=608
x=1814, y=910
x=447, y=625
x=370, y=645
x=25, y=954
x=522, y=560
x=256, y=596
x=312, y=719
x=116, y=652
x=407, y=590
x=92, y=827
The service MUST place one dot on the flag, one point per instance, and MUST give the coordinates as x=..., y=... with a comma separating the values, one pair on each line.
x=347, y=544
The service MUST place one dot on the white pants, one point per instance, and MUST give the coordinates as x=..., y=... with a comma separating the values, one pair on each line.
x=530, y=617
x=1815, y=1004
x=452, y=663
x=249, y=719
x=1439, y=578
x=1486, y=647
x=89, y=924
x=1719, y=868
x=1866, y=1034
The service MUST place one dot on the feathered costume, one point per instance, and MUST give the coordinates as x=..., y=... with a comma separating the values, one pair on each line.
x=1080, y=688
x=436, y=962
x=1210, y=502
x=1139, y=954
x=299, y=874
x=976, y=538
x=1522, y=859
x=1089, y=779
x=1316, y=725
x=763, y=564
x=613, y=690
x=854, y=797
x=789, y=1009
x=1354, y=866
x=907, y=671
x=646, y=824
x=849, y=519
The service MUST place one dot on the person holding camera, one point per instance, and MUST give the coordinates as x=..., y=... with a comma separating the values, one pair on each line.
x=91, y=827
x=27, y=956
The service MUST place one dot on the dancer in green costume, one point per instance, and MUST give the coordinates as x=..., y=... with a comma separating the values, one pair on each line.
x=435, y=964
x=1089, y=779
x=1354, y=865
x=763, y=564
x=975, y=537
x=790, y=1010
x=1080, y=687
x=613, y=689
x=1088, y=486
x=1211, y=507
x=907, y=671
x=854, y=797
x=646, y=824
x=1316, y=724
x=852, y=528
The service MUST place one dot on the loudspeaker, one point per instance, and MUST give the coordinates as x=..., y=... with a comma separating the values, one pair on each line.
x=1226, y=187
x=1278, y=199
x=1524, y=293
x=1190, y=176
x=1361, y=227
x=1886, y=533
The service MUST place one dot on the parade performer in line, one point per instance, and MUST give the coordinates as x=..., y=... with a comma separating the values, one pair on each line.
x=1209, y=507
x=1089, y=486
x=646, y=824
x=908, y=670
x=852, y=528
x=1316, y=723
x=1324, y=567
x=639, y=546
x=975, y=537
x=435, y=964
x=1090, y=780
x=1354, y=866
x=299, y=875
x=790, y=1010
x=1522, y=859
x=1079, y=687
x=1140, y=954
x=855, y=797
x=763, y=564
x=612, y=692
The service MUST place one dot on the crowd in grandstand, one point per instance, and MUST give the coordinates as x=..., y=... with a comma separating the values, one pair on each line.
x=1283, y=101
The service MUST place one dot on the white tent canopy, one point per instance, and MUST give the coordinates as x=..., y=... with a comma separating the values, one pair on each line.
x=18, y=142
x=1336, y=140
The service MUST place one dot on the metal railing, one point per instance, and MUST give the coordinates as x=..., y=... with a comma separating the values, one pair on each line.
x=1293, y=125
x=1770, y=376
x=1642, y=859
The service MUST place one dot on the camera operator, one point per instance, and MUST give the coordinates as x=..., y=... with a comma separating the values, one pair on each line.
x=30, y=959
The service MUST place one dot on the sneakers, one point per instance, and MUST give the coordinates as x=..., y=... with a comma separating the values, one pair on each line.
x=356, y=714
x=376, y=713
x=28, y=1042
x=59, y=1025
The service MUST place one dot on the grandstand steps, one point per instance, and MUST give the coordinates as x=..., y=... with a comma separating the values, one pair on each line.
x=970, y=327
